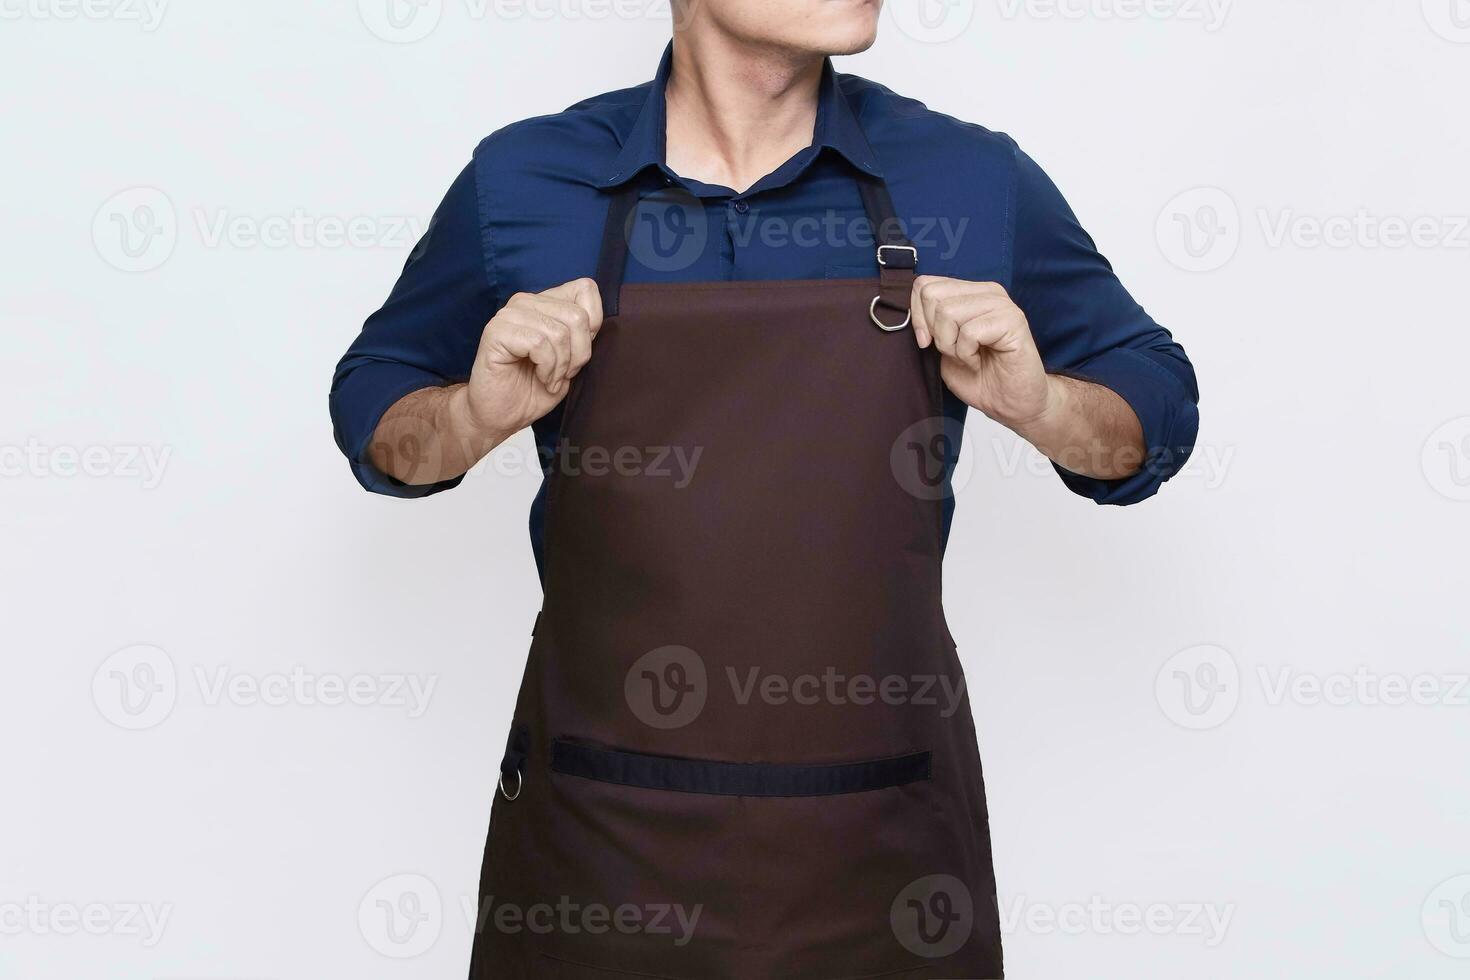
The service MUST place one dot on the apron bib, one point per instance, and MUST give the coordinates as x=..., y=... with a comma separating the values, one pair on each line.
x=742, y=748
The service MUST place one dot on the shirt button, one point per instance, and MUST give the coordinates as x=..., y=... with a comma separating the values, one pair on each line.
x=741, y=207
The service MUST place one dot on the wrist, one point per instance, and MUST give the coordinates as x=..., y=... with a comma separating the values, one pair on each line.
x=1034, y=428
x=468, y=431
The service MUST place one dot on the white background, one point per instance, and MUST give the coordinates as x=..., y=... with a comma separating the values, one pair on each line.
x=1125, y=664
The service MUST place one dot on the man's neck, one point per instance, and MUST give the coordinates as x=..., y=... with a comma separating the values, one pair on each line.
x=736, y=114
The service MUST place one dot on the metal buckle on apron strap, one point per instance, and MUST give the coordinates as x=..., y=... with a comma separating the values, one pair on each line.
x=898, y=263
x=913, y=262
x=516, y=749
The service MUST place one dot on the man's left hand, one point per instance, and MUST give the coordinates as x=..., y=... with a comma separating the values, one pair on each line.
x=990, y=361
x=989, y=357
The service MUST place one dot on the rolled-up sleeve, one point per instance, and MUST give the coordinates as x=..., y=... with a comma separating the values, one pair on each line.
x=1087, y=326
x=425, y=335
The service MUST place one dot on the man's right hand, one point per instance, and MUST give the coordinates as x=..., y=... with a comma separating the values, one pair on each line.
x=529, y=353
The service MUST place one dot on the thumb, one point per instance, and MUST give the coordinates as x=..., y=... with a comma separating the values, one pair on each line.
x=920, y=321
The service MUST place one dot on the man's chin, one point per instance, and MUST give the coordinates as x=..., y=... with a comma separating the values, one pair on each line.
x=858, y=46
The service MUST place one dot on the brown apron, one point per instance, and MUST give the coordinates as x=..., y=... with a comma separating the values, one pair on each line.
x=742, y=748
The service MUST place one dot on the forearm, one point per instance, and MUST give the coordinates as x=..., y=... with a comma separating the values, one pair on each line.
x=428, y=436
x=1087, y=429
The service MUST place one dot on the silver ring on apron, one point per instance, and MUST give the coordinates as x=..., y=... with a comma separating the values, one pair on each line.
x=873, y=312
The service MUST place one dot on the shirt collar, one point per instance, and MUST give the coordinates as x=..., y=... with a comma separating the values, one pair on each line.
x=837, y=128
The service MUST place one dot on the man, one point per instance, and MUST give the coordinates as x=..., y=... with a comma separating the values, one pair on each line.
x=796, y=283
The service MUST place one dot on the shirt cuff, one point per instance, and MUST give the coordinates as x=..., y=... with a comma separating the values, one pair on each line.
x=359, y=400
x=1166, y=409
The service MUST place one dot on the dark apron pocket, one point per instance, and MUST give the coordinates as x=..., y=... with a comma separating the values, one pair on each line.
x=680, y=775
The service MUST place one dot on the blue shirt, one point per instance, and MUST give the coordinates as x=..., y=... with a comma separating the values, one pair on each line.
x=527, y=214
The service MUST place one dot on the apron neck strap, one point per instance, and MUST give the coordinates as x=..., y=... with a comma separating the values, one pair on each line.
x=896, y=256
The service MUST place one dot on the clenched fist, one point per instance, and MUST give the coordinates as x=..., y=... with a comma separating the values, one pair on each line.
x=989, y=357
x=530, y=352
x=990, y=361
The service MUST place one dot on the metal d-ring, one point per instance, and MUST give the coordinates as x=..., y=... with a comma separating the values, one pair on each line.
x=519, y=783
x=873, y=312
